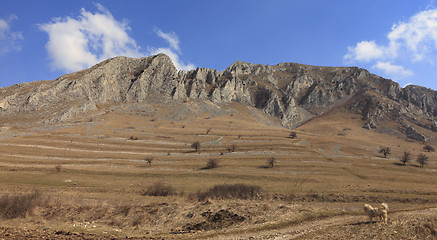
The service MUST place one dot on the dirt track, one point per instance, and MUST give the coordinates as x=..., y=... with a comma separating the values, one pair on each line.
x=339, y=227
x=321, y=229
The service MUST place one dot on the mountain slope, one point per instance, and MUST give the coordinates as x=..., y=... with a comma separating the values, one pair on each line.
x=294, y=93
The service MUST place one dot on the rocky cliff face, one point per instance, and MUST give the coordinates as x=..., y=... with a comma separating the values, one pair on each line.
x=292, y=92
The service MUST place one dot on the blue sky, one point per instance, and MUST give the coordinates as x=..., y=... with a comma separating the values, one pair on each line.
x=396, y=39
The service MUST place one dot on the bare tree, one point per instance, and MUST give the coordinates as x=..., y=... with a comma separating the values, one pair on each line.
x=196, y=145
x=429, y=148
x=406, y=157
x=385, y=151
x=422, y=160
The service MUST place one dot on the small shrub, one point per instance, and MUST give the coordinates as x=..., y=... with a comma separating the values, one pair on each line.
x=58, y=168
x=19, y=205
x=196, y=145
x=231, y=148
x=271, y=162
x=159, y=189
x=149, y=160
x=212, y=163
x=385, y=151
x=133, y=138
x=208, y=131
x=422, y=160
x=229, y=191
x=429, y=148
x=293, y=135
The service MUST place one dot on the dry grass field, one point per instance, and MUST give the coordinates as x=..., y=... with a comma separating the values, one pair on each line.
x=92, y=178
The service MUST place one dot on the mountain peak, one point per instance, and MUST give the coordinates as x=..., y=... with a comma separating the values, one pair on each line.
x=294, y=93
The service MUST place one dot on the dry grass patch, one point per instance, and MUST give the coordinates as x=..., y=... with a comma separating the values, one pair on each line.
x=20, y=205
x=229, y=191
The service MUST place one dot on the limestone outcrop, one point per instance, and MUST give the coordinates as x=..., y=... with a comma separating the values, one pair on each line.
x=292, y=92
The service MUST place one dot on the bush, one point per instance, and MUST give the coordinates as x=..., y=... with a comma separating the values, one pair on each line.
x=293, y=135
x=271, y=162
x=159, y=189
x=212, y=163
x=149, y=160
x=196, y=145
x=232, y=148
x=429, y=148
x=229, y=191
x=19, y=205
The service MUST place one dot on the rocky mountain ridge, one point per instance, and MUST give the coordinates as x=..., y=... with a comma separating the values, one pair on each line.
x=292, y=92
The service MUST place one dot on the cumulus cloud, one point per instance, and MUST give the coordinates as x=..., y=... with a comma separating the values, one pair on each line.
x=9, y=40
x=415, y=39
x=364, y=51
x=397, y=71
x=78, y=43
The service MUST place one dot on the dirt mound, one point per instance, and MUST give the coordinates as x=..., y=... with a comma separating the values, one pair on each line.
x=221, y=219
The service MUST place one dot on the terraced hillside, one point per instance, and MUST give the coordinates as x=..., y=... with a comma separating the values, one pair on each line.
x=93, y=173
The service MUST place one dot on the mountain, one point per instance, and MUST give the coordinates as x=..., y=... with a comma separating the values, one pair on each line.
x=291, y=92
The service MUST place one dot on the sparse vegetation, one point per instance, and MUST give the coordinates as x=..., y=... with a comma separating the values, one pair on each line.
x=20, y=205
x=212, y=163
x=385, y=151
x=159, y=189
x=428, y=148
x=406, y=157
x=228, y=191
x=271, y=162
x=422, y=160
x=296, y=189
x=196, y=145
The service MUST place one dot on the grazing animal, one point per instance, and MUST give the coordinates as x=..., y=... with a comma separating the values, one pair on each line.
x=380, y=212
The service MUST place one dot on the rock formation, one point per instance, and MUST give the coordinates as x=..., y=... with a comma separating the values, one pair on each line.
x=292, y=92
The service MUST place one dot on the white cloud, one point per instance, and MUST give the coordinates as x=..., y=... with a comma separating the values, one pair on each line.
x=396, y=71
x=9, y=41
x=180, y=65
x=364, y=51
x=414, y=40
x=418, y=36
x=171, y=38
x=78, y=43
x=173, y=41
